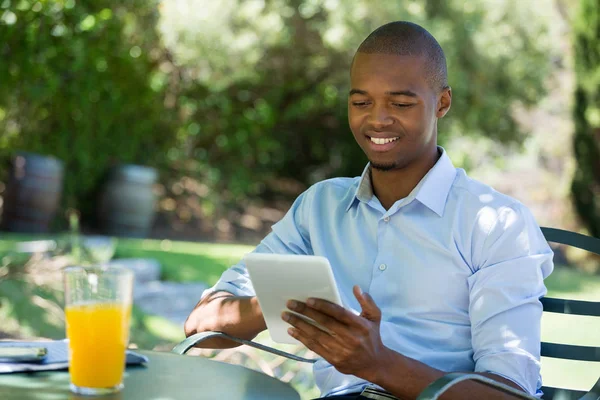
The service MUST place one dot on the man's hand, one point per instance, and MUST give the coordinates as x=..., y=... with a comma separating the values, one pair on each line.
x=354, y=345
x=223, y=312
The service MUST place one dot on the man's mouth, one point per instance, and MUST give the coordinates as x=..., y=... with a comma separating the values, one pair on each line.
x=383, y=140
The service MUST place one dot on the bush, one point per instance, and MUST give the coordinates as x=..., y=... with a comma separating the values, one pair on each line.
x=81, y=82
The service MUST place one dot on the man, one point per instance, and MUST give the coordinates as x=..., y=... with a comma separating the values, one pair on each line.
x=454, y=269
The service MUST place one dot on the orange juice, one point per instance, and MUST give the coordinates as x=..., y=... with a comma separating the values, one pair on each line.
x=98, y=334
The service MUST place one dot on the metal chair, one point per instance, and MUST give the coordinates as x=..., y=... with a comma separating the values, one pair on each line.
x=553, y=350
x=198, y=338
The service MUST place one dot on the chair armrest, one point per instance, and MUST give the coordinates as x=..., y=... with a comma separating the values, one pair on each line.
x=439, y=386
x=594, y=393
x=193, y=340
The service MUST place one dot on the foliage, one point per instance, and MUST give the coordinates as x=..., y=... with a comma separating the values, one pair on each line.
x=268, y=81
x=239, y=95
x=80, y=81
x=586, y=141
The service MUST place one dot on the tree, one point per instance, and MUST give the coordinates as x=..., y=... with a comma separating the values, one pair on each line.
x=586, y=140
x=80, y=81
x=267, y=82
x=239, y=93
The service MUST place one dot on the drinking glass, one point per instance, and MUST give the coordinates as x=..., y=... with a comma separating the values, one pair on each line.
x=98, y=313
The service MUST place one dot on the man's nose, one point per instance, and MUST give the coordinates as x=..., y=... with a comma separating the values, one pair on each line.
x=380, y=117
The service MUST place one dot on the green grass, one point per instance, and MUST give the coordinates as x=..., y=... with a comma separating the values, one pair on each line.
x=25, y=313
x=30, y=310
x=180, y=261
x=8, y=241
x=22, y=313
x=571, y=284
x=185, y=261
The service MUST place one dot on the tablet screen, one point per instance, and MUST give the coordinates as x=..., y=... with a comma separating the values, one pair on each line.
x=278, y=278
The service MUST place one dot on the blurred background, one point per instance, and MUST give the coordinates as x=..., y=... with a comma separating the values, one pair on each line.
x=169, y=136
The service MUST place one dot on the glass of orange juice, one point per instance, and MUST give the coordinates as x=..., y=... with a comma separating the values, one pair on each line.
x=98, y=312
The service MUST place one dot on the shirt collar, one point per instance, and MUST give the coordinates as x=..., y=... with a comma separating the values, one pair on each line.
x=432, y=191
x=436, y=185
x=364, y=191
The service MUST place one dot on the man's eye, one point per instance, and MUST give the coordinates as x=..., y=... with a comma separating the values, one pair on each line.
x=360, y=103
x=402, y=105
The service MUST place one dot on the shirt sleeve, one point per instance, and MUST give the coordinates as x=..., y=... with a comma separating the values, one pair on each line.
x=288, y=236
x=504, y=296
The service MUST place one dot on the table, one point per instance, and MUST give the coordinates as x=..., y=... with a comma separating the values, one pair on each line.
x=167, y=376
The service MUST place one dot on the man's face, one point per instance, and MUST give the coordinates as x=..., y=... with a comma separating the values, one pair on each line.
x=393, y=110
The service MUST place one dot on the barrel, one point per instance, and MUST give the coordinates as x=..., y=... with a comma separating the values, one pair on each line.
x=127, y=201
x=32, y=194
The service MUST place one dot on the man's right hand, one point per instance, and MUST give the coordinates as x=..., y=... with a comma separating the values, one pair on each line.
x=223, y=312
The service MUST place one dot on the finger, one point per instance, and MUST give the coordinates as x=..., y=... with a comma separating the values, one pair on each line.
x=300, y=323
x=332, y=310
x=323, y=319
x=311, y=332
x=313, y=344
x=306, y=326
x=369, y=308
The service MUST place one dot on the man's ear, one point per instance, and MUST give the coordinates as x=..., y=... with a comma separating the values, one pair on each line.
x=444, y=102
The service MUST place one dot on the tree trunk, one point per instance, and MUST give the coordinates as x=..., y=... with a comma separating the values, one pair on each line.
x=586, y=141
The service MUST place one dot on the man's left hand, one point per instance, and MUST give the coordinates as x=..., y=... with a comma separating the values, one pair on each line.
x=354, y=345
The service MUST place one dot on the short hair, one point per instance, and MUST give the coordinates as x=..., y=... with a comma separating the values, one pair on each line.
x=405, y=38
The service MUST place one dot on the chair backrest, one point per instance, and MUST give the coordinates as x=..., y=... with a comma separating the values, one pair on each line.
x=573, y=307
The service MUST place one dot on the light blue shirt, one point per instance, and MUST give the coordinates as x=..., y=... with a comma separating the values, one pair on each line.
x=456, y=268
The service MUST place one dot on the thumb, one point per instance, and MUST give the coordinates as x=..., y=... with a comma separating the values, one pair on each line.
x=370, y=310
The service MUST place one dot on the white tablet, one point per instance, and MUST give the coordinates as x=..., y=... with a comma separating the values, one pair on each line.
x=278, y=278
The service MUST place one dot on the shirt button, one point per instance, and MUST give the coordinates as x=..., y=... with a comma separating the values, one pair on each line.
x=387, y=219
x=382, y=267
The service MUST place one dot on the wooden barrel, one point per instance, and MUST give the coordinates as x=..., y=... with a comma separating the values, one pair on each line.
x=32, y=194
x=127, y=201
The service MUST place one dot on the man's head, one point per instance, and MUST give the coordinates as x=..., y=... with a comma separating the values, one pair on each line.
x=407, y=39
x=399, y=90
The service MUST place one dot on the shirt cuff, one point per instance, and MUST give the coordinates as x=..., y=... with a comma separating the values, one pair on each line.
x=224, y=287
x=235, y=280
x=521, y=369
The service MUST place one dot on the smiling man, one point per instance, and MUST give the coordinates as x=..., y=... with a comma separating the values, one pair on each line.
x=444, y=273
